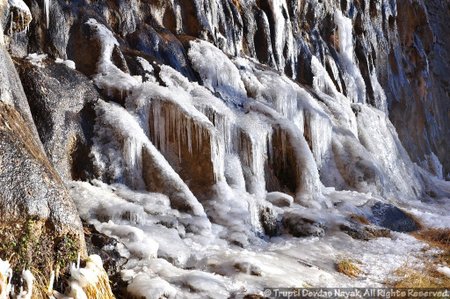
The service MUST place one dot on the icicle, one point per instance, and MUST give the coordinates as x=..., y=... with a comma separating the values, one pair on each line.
x=51, y=281
x=78, y=260
x=28, y=278
x=47, y=12
x=90, y=281
x=11, y=23
x=5, y=279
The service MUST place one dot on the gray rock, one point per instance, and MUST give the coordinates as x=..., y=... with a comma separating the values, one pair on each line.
x=300, y=226
x=248, y=268
x=269, y=221
x=12, y=93
x=391, y=217
x=60, y=100
x=365, y=232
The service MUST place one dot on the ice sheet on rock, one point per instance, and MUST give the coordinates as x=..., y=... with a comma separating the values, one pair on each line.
x=338, y=105
x=231, y=270
x=143, y=222
x=176, y=127
x=218, y=113
x=353, y=167
x=291, y=101
x=307, y=182
x=233, y=172
x=109, y=77
x=433, y=165
x=379, y=137
x=284, y=44
x=138, y=243
x=355, y=85
x=233, y=212
x=217, y=72
x=250, y=141
x=378, y=93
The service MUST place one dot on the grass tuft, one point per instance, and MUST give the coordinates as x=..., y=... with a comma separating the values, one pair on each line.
x=427, y=276
x=348, y=267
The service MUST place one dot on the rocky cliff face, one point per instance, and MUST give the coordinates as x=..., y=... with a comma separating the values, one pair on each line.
x=193, y=115
x=401, y=46
x=39, y=224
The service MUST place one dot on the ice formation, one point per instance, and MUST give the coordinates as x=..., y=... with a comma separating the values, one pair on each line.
x=201, y=182
x=47, y=4
x=232, y=157
x=28, y=279
x=356, y=88
x=5, y=279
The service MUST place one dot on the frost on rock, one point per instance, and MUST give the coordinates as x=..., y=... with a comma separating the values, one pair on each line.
x=338, y=105
x=69, y=63
x=109, y=78
x=217, y=72
x=37, y=59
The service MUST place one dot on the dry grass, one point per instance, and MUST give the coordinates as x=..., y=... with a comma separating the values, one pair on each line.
x=427, y=276
x=102, y=290
x=348, y=267
x=438, y=238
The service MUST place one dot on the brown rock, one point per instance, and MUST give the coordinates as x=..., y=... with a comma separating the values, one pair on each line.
x=39, y=223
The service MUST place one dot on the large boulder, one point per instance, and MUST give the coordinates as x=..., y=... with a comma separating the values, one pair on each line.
x=61, y=101
x=393, y=218
x=39, y=223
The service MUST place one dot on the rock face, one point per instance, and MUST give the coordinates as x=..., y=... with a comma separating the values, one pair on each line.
x=350, y=45
x=38, y=221
x=61, y=101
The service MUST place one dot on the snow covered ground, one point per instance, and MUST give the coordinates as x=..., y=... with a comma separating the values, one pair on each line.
x=184, y=257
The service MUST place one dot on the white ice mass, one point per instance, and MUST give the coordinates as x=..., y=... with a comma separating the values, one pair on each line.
x=271, y=151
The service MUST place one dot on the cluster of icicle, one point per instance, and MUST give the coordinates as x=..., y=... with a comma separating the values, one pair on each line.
x=90, y=281
x=7, y=289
